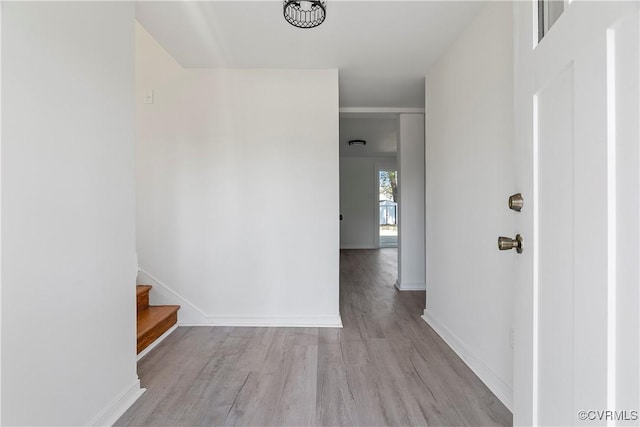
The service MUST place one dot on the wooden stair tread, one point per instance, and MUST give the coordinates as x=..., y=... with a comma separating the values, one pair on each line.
x=141, y=289
x=152, y=320
x=154, y=315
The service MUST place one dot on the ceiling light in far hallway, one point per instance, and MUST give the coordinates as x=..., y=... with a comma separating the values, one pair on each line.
x=358, y=142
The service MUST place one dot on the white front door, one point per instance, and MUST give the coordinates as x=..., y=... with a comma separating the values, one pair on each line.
x=577, y=138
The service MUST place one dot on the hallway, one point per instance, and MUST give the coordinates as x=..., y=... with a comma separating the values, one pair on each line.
x=385, y=367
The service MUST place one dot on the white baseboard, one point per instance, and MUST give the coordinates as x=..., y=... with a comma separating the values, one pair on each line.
x=410, y=286
x=109, y=415
x=273, y=321
x=502, y=391
x=154, y=344
x=191, y=315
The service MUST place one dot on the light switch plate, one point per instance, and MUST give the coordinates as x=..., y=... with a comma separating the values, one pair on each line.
x=148, y=96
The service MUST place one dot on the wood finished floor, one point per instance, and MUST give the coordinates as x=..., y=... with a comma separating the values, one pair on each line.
x=386, y=367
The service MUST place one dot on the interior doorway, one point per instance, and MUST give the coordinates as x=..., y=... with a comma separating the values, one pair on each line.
x=368, y=145
x=387, y=208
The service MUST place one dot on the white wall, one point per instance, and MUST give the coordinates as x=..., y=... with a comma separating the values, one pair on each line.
x=68, y=248
x=1, y=133
x=359, y=200
x=237, y=185
x=469, y=126
x=411, y=193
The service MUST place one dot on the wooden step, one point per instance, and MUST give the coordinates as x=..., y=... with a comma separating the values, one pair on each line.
x=142, y=297
x=155, y=321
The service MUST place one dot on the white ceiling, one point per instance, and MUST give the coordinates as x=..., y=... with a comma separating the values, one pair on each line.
x=383, y=49
x=380, y=134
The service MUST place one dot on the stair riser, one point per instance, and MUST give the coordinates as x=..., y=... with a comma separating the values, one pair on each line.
x=157, y=330
x=142, y=301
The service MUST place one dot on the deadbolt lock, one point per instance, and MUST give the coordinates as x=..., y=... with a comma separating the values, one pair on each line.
x=506, y=243
x=516, y=202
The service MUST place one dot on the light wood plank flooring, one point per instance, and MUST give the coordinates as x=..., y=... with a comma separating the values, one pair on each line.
x=386, y=367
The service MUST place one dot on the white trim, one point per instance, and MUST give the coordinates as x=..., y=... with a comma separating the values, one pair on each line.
x=358, y=247
x=0, y=208
x=535, y=260
x=410, y=286
x=192, y=315
x=272, y=321
x=376, y=110
x=114, y=410
x=612, y=214
x=162, y=294
x=486, y=375
x=154, y=344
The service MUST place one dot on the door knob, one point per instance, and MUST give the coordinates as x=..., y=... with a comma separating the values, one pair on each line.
x=506, y=243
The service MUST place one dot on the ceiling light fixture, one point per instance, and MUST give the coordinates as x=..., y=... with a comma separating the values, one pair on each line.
x=358, y=142
x=305, y=13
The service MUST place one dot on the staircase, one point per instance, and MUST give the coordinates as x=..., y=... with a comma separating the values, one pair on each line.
x=153, y=320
